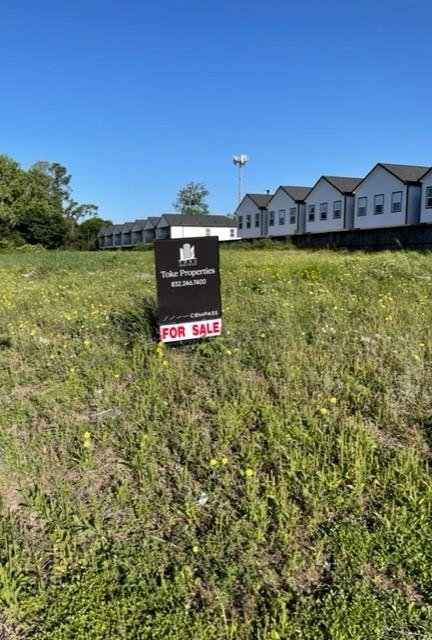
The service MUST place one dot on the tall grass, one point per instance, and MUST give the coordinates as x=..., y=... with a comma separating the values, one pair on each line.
x=270, y=484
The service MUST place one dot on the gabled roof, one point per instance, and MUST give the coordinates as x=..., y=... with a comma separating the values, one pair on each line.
x=138, y=224
x=260, y=199
x=426, y=174
x=152, y=222
x=127, y=226
x=298, y=194
x=341, y=183
x=406, y=173
x=199, y=220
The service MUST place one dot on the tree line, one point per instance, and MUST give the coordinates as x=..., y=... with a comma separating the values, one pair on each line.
x=37, y=207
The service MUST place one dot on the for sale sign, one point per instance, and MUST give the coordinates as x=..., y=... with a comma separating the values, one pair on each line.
x=188, y=288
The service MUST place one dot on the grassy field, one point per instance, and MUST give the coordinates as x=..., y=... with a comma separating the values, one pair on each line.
x=307, y=426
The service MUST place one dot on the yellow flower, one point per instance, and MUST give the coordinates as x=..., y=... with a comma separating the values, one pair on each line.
x=87, y=435
x=333, y=400
x=165, y=363
x=224, y=460
x=249, y=472
x=416, y=356
x=87, y=444
x=213, y=462
x=324, y=411
x=87, y=342
x=195, y=548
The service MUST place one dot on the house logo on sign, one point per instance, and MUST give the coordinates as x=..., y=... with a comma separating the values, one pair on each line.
x=187, y=255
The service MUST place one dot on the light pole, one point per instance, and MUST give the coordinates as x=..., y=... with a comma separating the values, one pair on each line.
x=240, y=162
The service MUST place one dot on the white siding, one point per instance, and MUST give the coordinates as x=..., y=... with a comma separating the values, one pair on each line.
x=281, y=201
x=379, y=182
x=223, y=233
x=248, y=208
x=324, y=192
x=426, y=213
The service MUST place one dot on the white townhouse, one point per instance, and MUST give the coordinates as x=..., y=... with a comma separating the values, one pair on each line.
x=286, y=211
x=426, y=197
x=251, y=215
x=150, y=226
x=330, y=204
x=389, y=196
x=127, y=234
x=138, y=232
x=176, y=225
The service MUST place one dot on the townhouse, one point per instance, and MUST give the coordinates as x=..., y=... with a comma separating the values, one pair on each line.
x=426, y=197
x=251, y=215
x=330, y=204
x=286, y=212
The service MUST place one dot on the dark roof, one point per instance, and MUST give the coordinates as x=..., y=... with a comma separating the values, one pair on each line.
x=405, y=172
x=199, y=220
x=296, y=193
x=260, y=199
x=127, y=226
x=154, y=220
x=342, y=184
x=139, y=224
x=427, y=173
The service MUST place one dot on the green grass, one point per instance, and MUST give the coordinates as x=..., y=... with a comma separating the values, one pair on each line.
x=316, y=406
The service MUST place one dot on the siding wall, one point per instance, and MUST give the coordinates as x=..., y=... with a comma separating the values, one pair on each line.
x=248, y=208
x=281, y=201
x=324, y=192
x=223, y=233
x=380, y=181
x=426, y=214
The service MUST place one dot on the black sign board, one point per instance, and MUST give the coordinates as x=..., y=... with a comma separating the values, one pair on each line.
x=188, y=288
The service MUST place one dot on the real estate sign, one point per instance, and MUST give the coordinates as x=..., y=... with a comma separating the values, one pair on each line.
x=188, y=288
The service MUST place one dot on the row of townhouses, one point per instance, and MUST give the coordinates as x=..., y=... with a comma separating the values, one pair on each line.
x=390, y=195
x=168, y=225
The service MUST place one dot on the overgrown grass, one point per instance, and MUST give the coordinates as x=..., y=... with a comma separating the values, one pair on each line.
x=308, y=426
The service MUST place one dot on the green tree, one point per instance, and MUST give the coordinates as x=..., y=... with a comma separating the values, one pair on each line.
x=191, y=199
x=88, y=230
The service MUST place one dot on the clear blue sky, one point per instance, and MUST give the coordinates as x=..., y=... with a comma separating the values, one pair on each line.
x=137, y=98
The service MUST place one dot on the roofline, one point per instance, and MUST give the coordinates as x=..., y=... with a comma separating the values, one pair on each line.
x=331, y=184
x=425, y=174
x=392, y=173
x=294, y=199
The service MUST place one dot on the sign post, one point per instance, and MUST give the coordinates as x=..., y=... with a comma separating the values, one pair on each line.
x=188, y=288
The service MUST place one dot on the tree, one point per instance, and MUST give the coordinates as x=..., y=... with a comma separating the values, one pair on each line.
x=88, y=230
x=191, y=199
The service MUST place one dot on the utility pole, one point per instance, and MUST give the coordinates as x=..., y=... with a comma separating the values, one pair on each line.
x=240, y=161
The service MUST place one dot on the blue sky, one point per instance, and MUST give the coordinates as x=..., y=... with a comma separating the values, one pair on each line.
x=138, y=98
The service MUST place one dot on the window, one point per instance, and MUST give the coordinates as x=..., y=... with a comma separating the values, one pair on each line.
x=311, y=213
x=271, y=218
x=240, y=222
x=362, y=206
x=323, y=210
x=337, y=209
x=293, y=216
x=257, y=219
x=232, y=233
x=396, y=202
x=379, y=204
x=428, y=197
x=248, y=222
x=281, y=216
x=208, y=232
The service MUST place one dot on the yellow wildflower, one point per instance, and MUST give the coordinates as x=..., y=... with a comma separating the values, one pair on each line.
x=324, y=411
x=249, y=472
x=213, y=462
x=224, y=460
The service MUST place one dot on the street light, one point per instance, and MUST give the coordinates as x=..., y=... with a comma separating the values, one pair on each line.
x=240, y=162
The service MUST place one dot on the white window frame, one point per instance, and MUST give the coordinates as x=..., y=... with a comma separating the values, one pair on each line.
x=364, y=207
x=257, y=220
x=335, y=217
x=379, y=213
x=240, y=222
x=293, y=215
x=281, y=217
x=248, y=221
x=428, y=200
x=271, y=218
x=393, y=210
x=323, y=210
x=311, y=213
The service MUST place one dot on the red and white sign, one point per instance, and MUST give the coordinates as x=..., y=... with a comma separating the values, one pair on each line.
x=191, y=330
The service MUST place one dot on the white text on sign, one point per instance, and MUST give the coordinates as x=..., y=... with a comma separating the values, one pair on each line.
x=191, y=330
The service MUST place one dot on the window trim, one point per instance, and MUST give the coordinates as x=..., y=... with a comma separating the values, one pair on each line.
x=428, y=189
x=311, y=212
x=321, y=212
x=362, y=215
x=340, y=210
x=281, y=218
x=257, y=220
x=379, y=195
x=392, y=203
x=240, y=222
x=272, y=218
x=293, y=216
x=248, y=221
